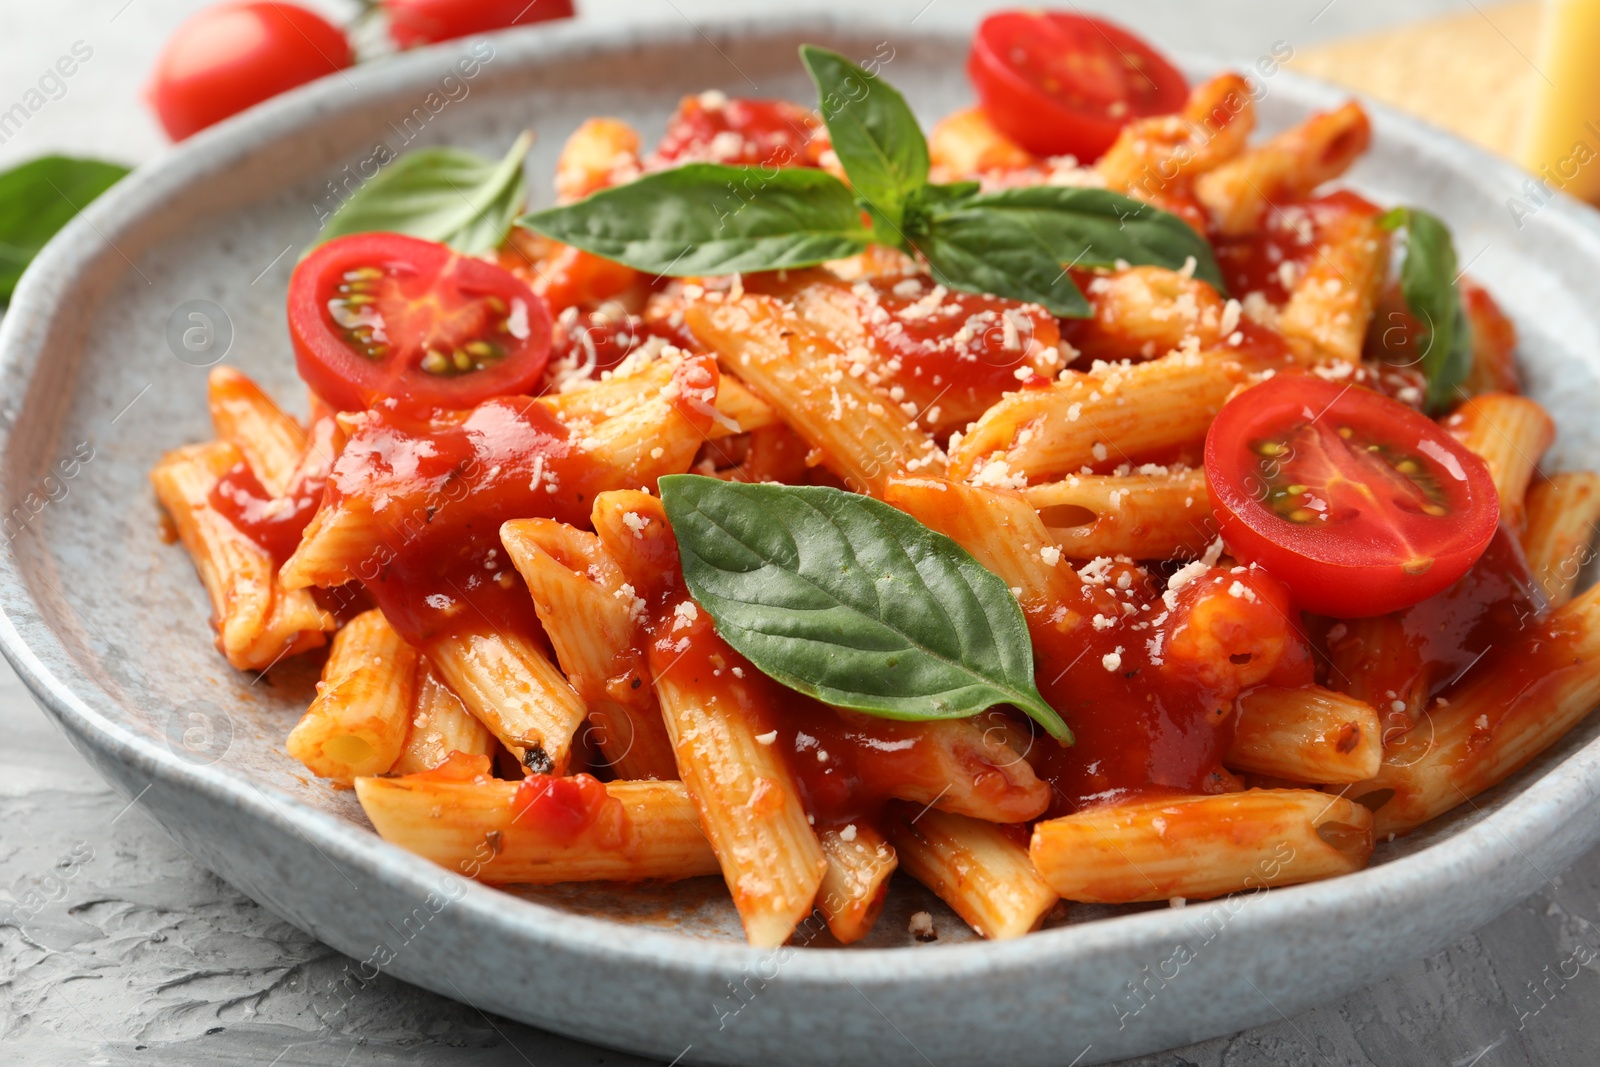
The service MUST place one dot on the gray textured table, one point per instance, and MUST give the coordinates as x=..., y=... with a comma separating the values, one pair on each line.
x=116, y=947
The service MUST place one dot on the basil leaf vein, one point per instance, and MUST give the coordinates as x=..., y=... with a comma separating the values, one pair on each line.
x=37, y=199
x=853, y=602
x=874, y=134
x=711, y=218
x=449, y=195
x=1428, y=283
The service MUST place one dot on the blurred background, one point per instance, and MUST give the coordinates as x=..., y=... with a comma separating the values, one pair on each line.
x=146, y=958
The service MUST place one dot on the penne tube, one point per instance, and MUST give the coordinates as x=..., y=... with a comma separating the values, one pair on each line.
x=1152, y=154
x=964, y=145
x=739, y=410
x=1115, y=412
x=862, y=436
x=1490, y=727
x=601, y=152
x=1289, y=167
x=978, y=868
x=590, y=614
x=258, y=621
x=1372, y=660
x=1143, y=312
x=1144, y=516
x=748, y=799
x=661, y=433
x=1332, y=302
x=541, y=830
x=856, y=882
x=1511, y=434
x=358, y=721
x=1305, y=734
x=440, y=725
x=271, y=442
x=1196, y=847
x=510, y=687
x=1562, y=512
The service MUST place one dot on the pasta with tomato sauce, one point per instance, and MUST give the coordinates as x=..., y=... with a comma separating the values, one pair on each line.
x=1257, y=582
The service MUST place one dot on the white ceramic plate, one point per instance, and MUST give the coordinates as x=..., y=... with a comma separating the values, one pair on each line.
x=108, y=625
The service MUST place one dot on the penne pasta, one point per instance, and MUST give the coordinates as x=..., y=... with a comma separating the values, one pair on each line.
x=1196, y=847
x=1371, y=660
x=1511, y=434
x=748, y=799
x=1161, y=515
x=979, y=869
x=1562, y=511
x=440, y=725
x=1153, y=154
x=965, y=144
x=541, y=830
x=357, y=724
x=1305, y=734
x=856, y=882
x=244, y=416
x=510, y=687
x=1333, y=299
x=1496, y=722
x=862, y=437
x=588, y=611
x=258, y=621
x=601, y=152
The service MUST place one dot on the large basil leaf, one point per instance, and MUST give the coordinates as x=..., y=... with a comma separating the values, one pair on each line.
x=874, y=134
x=37, y=199
x=710, y=218
x=1428, y=283
x=448, y=195
x=1081, y=227
x=1001, y=254
x=848, y=600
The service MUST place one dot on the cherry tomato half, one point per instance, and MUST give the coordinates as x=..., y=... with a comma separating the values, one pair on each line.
x=1361, y=505
x=378, y=315
x=232, y=56
x=1060, y=84
x=419, y=22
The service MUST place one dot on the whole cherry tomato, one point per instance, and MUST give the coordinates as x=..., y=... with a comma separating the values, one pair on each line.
x=419, y=22
x=1063, y=84
x=232, y=56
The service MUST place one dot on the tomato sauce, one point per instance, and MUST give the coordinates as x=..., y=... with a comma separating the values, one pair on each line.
x=1255, y=263
x=273, y=523
x=714, y=128
x=439, y=488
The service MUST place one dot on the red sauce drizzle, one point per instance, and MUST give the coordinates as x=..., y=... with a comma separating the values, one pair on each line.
x=740, y=131
x=273, y=523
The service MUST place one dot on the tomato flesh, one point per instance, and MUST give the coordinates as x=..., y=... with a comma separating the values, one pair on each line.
x=1361, y=505
x=232, y=56
x=420, y=22
x=1060, y=84
x=382, y=316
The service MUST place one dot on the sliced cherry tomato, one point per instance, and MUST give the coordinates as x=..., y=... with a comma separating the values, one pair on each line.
x=378, y=315
x=419, y=22
x=1361, y=505
x=1060, y=84
x=715, y=128
x=232, y=56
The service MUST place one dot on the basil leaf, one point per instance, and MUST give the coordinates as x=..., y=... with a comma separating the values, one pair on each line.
x=1428, y=283
x=986, y=252
x=37, y=199
x=448, y=195
x=848, y=600
x=874, y=134
x=1082, y=227
x=710, y=218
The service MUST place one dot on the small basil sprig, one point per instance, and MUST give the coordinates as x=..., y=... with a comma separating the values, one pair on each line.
x=1016, y=243
x=848, y=600
x=448, y=195
x=1428, y=282
x=37, y=199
